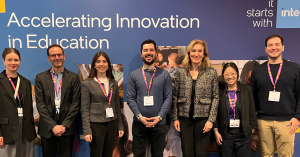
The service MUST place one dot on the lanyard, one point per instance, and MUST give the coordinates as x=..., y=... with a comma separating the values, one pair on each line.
x=59, y=86
x=150, y=84
x=16, y=94
x=111, y=89
x=278, y=73
x=233, y=106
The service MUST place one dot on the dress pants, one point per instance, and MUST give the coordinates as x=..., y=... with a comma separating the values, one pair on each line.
x=143, y=135
x=63, y=143
x=103, y=138
x=194, y=142
x=236, y=143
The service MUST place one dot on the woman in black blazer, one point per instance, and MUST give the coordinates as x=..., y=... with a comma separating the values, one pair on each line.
x=100, y=107
x=16, y=114
x=236, y=117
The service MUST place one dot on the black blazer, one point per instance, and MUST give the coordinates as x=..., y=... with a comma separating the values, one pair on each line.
x=70, y=102
x=9, y=120
x=247, y=107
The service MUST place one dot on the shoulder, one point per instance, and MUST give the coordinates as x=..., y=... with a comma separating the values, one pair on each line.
x=181, y=71
x=292, y=64
x=210, y=70
x=71, y=74
x=135, y=72
x=245, y=87
x=260, y=67
x=42, y=73
x=24, y=78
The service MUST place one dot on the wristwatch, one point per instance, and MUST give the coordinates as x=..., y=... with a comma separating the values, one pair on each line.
x=139, y=116
x=159, y=117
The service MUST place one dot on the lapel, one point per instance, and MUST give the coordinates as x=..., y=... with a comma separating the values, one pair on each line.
x=7, y=86
x=111, y=84
x=24, y=85
x=225, y=106
x=50, y=84
x=64, y=85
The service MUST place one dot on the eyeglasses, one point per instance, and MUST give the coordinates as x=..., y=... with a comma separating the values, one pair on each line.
x=229, y=74
x=54, y=55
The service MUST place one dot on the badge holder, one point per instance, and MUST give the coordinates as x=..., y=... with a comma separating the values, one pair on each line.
x=109, y=112
x=20, y=111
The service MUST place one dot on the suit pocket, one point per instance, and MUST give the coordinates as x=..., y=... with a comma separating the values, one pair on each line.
x=3, y=121
x=205, y=101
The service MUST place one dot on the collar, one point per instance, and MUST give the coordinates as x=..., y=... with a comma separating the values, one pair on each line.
x=238, y=87
x=62, y=72
x=148, y=69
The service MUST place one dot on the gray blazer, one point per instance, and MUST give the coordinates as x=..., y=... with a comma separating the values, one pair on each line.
x=94, y=104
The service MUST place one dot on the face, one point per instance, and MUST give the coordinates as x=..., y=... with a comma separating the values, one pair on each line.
x=160, y=57
x=101, y=65
x=248, y=78
x=12, y=62
x=274, y=48
x=197, y=53
x=116, y=67
x=56, y=57
x=230, y=76
x=149, y=54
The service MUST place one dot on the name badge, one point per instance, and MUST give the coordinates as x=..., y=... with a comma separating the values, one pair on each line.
x=148, y=101
x=20, y=111
x=109, y=112
x=234, y=123
x=274, y=96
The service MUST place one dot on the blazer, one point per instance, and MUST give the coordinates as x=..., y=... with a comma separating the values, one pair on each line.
x=206, y=94
x=9, y=120
x=94, y=104
x=69, y=107
x=247, y=110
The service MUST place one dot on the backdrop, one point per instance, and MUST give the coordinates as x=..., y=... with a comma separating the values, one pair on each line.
x=233, y=30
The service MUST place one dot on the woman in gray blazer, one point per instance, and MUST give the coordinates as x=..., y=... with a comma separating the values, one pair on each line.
x=101, y=113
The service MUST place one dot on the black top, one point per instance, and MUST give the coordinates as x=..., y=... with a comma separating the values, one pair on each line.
x=193, y=99
x=288, y=85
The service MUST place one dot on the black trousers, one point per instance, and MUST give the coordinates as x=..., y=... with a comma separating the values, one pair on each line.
x=103, y=138
x=143, y=135
x=236, y=143
x=63, y=143
x=194, y=142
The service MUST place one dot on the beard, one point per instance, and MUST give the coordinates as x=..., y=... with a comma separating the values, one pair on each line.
x=151, y=62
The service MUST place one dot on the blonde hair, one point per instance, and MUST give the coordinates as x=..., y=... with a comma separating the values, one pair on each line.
x=187, y=61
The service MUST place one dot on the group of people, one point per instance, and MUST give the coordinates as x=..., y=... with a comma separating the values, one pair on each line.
x=200, y=104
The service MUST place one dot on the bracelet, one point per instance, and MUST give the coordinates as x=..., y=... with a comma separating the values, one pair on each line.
x=159, y=117
x=139, y=116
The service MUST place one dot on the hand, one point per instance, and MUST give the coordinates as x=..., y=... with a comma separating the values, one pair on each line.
x=57, y=130
x=121, y=132
x=88, y=138
x=1, y=142
x=219, y=139
x=177, y=125
x=294, y=123
x=144, y=120
x=63, y=128
x=207, y=127
x=153, y=121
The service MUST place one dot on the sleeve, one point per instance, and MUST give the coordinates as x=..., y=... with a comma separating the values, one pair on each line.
x=1, y=135
x=252, y=114
x=118, y=107
x=132, y=95
x=167, y=96
x=75, y=106
x=41, y=106
x=85, y=108
x=297, y=94
x=214, y=97
x=175, y=94
x=253, y=85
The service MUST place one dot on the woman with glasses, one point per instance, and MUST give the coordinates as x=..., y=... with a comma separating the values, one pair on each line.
x=17, y=130
x=236, y=118
x=100, y=107
x=195, y=100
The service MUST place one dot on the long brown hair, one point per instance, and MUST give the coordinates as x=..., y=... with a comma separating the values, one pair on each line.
x=93, y=71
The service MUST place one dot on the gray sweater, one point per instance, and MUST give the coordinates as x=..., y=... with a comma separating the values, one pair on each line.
x=161, y=90
x=94, y=104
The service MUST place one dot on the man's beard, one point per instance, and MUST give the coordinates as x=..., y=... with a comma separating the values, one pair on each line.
x=151, y=62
